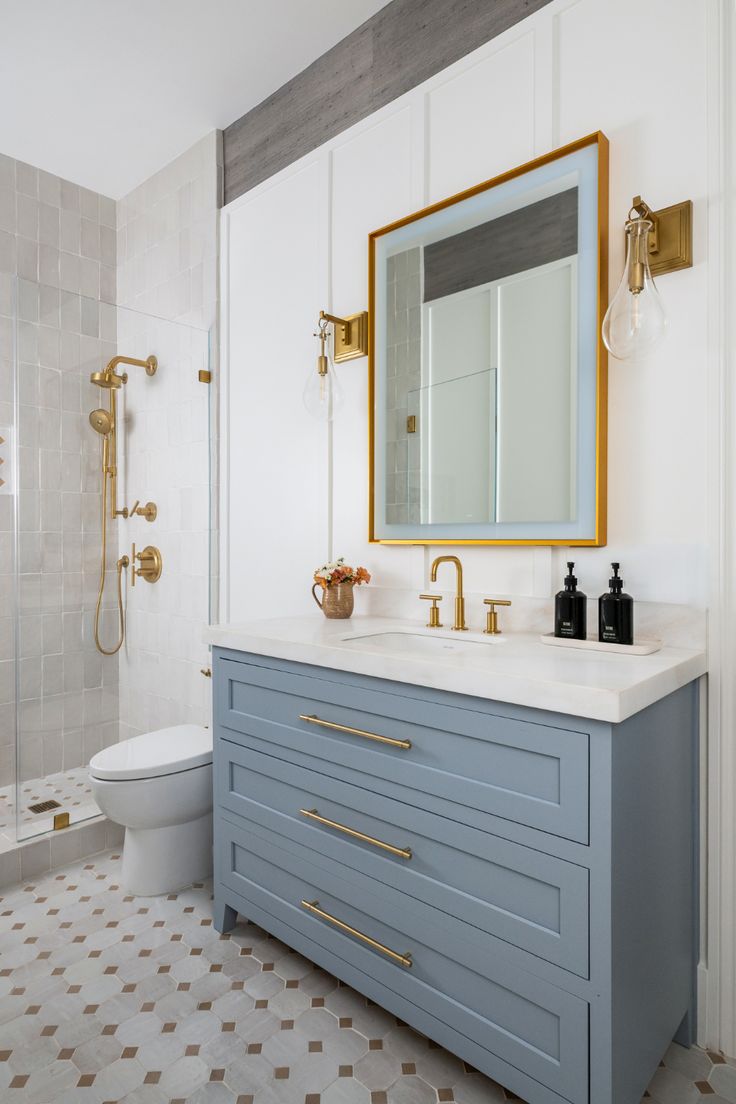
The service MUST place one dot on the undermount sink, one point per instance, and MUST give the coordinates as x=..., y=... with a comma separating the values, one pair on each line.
x=419, y=643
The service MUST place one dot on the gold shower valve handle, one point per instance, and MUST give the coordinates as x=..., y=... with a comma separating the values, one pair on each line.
x=149, y=511
x=151, y=562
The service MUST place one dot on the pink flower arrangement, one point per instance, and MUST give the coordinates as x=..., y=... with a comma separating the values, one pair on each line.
x=331, y=574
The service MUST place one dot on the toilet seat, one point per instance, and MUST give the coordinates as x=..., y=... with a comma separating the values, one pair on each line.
x=154, y=754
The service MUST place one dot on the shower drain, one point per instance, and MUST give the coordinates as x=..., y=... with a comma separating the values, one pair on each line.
x=44, y=806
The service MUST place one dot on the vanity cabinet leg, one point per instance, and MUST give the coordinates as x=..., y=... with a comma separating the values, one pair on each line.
x=225, y=917
x=685, y=1035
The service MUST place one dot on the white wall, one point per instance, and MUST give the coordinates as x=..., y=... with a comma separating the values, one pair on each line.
x=299, y=242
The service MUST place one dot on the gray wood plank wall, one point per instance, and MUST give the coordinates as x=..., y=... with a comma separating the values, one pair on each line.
x=402, y=45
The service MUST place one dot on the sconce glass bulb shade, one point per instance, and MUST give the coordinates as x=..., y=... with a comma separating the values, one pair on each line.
x=635, y=320
x=323, y=395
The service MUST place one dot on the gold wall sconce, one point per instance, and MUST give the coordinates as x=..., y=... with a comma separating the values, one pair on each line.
x=656, y=242
x=323, y=396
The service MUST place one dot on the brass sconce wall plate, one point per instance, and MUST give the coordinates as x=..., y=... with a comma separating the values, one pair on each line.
x=351, y=336
x=671, y=240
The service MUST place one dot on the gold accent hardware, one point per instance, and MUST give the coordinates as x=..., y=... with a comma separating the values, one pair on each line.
x=404, y=960
x=44, y=806
x=312, y=814
x=310, y=718
x=150, y=364
x=350, y=337
x=599, y=140
x=61, y=820
x=491, y=616
x=206, y=671
x=459, y=625
x=204, y=376
x=411, y=423
x=149, y=511
x=434, y=613
x=104, y=422
x=151, y=563
x=671, y=236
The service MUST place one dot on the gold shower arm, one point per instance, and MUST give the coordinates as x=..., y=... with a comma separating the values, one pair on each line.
x=150, y=364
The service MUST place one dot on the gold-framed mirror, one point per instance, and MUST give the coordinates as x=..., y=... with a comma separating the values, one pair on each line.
x=488, y=379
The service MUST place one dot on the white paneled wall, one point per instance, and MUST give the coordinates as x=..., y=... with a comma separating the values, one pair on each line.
x=275, y=509
x=297, y=492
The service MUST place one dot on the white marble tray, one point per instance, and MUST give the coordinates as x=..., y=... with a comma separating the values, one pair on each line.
x=639, y=647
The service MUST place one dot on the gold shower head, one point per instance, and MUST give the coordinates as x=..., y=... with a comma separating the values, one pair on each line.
x=101, y=421
x=107, y=379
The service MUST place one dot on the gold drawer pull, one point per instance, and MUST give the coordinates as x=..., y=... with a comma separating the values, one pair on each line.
x=404, y=960
x=312, y=814
x=311, y=719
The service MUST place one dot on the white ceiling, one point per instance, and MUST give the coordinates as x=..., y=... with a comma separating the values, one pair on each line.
x=105, y=92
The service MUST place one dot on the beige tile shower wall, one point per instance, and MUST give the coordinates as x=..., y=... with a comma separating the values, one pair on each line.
x=57, y=241
x=167, y=296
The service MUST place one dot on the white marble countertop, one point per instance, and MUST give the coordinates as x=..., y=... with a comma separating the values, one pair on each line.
x=514, y=667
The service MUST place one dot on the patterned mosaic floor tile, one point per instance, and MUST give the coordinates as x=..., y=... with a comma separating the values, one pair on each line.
x=106, y=998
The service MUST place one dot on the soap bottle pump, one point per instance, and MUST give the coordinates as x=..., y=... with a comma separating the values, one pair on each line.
x=571, y=609
x=616, y=613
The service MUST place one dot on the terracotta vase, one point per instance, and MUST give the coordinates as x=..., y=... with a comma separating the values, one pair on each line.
x=337, y=601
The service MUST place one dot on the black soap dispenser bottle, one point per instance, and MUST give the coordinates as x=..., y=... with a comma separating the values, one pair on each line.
x=616, y=613
x=571, y=609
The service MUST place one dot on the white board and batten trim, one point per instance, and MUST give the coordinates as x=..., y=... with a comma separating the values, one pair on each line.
x=294, y=491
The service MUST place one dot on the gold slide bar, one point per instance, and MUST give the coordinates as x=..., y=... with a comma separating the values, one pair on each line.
x=311, y=719
x=401, y=852
x=404, y=960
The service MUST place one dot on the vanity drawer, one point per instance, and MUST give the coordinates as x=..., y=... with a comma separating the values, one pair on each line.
x=533, y=1025
x=492, y=886
x=464, y=763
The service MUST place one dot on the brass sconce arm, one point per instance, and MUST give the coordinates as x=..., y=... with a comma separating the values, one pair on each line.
x=670, y=244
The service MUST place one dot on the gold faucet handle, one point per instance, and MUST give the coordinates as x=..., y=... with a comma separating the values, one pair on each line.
x=491, y=616
x=434, y=613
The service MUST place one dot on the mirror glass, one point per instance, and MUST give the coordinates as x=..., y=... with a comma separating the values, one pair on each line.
x=487, y=369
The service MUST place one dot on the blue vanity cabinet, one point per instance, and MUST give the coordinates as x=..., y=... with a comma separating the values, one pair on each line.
x=518, y=885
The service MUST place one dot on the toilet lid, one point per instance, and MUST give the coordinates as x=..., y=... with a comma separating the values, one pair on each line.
x=154, y=753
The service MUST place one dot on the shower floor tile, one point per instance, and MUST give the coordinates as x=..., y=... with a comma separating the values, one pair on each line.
x=109, y=997
x=70, y=788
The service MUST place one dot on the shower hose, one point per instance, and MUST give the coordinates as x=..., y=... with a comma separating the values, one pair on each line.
x=121, y=565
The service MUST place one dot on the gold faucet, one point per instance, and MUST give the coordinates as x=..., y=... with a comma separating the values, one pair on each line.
x=459, y=625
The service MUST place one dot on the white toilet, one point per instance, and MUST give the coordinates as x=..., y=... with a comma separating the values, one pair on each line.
x=159, y=787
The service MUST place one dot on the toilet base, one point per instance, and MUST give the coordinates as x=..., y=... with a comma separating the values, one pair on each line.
x=160, y=860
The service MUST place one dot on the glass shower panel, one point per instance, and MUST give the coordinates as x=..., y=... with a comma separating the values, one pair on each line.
x=165, y=459
x=68, y=696
x=8, y=502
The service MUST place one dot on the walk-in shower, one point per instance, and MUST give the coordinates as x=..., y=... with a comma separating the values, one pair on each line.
x=72, y=431
x=104, y=422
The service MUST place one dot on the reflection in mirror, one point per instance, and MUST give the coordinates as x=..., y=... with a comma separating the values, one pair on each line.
x=486, y=358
